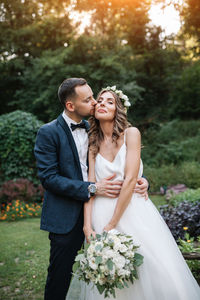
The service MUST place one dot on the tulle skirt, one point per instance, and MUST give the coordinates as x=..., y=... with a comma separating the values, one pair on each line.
x=164, y=274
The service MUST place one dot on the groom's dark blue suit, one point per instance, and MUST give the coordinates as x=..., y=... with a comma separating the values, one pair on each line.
x=65, y=192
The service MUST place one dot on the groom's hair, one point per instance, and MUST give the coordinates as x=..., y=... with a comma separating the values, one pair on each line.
x=67, y=89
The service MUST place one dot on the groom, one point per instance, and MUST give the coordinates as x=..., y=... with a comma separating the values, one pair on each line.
x=61, y=153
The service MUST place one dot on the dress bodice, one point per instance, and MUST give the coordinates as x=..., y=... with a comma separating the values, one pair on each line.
x=105, y=168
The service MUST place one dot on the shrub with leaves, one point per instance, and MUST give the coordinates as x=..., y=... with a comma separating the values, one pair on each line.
x=187, y=173
x=185, y=214
x=18, y=131
x=172, y=142
x=187, y=245
x=190, y=195
x=21, y=189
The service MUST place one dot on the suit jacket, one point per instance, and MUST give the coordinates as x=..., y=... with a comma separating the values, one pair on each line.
x=60, y=173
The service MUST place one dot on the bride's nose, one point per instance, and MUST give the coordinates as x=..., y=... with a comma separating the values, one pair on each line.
x=102, y=103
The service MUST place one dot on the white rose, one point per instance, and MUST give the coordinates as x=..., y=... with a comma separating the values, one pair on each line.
x=116, y=240
x=108, y=253
x=92, y=264
x=101, y=281
x=100, y=245
x=90, y=276
x=119, y=261
x=127, y=103
x=122, y=248
x=125, y=98
x=130, y=254
x=123, y=272
x=113, y=231
x=117, y=246
x=90, y=250
x=113, y=87
x=102, y=268
x=123, y=238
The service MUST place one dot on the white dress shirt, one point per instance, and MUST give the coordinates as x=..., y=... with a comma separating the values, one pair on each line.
x=81, y=140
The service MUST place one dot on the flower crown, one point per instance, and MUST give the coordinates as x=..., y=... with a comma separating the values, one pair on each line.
x=125, y=101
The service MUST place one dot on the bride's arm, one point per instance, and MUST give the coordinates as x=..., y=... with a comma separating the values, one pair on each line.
x=87, y=227
x=133, y=142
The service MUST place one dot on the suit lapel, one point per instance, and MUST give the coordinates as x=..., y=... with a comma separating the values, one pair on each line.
x=71, y=141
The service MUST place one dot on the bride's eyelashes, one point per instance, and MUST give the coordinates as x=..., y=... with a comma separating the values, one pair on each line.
x=109, y=102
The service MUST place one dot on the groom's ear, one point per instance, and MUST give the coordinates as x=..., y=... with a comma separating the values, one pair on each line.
x=69, y=105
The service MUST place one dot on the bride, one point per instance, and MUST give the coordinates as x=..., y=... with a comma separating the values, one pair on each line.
x=114, y=147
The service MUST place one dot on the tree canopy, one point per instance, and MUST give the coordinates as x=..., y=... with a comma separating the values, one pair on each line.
x=41, y=45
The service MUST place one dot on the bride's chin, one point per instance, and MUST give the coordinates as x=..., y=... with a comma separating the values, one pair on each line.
x=102, y=117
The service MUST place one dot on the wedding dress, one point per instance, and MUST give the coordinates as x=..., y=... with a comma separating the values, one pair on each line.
x=164, y=274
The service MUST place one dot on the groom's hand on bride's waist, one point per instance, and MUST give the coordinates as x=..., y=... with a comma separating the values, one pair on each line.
x=142, y=187
x=109, y=187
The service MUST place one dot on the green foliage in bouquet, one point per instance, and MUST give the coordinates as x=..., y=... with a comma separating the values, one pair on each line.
x=17, y=137
x=109, y=262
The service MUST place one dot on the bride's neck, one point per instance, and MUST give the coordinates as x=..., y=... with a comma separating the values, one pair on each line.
x=107, y=129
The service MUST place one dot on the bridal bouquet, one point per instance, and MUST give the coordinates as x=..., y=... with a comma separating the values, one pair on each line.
x=109, y=262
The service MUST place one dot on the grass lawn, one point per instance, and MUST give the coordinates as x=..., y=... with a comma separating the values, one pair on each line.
x=24, y=258
x=157, y=200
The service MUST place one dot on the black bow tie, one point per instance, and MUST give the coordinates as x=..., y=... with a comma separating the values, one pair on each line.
x=79, y=125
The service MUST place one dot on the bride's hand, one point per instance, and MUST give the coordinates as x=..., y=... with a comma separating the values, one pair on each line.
x=88, y=231
x=108, y=227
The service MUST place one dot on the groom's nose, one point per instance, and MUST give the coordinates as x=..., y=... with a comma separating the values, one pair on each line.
x=94, y=102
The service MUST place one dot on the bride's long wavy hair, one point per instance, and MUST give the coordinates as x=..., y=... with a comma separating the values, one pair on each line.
x=120, y=124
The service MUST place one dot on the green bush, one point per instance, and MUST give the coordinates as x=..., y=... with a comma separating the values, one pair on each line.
x=189, y=195
x=17, y=137
x=187, y=245
x=185, y=93
x=171, y=143
x=187, y=173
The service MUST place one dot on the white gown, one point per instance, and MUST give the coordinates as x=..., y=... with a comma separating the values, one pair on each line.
x=164, y=274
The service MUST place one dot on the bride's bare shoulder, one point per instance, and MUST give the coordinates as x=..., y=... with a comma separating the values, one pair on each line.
x=132, y=132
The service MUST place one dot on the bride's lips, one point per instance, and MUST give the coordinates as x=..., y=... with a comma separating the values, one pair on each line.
x=101, y=110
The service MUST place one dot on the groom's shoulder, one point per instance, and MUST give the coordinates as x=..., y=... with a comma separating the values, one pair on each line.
x=50, y=127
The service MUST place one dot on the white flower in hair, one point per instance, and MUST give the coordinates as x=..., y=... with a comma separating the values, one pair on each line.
x=125, y=97
x=125, y=101
x=127, y=104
